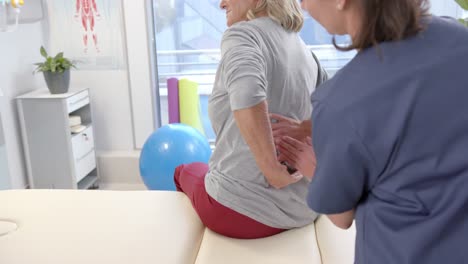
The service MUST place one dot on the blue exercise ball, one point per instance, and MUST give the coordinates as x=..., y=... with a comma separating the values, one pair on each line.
x=168, y=147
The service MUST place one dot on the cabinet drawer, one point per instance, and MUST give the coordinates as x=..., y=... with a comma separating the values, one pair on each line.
x=85, y=165
x=77, y=101
x=82, y=143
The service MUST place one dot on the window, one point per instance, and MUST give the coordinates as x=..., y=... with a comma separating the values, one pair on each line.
x=188, y=35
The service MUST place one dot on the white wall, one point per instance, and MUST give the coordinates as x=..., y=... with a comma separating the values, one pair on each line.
x=139, y=67
x=18, y=51
x=4, y=173
x=126, y=116
x=121, y=100
x=113, y=124
x=111, y=108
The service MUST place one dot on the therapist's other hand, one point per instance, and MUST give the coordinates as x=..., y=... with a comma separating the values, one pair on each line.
x=279, y=177
x=285, y=126
x=299, y=155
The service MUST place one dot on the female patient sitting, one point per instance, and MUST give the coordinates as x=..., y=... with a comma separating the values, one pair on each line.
x=245, y=192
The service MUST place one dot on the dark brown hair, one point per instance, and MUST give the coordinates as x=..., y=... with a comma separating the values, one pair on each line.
x=388, y=20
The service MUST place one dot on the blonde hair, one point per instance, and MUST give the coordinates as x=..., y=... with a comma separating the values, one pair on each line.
x=286, y=12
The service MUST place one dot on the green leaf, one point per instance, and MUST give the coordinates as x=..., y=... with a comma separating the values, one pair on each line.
x=463, y=21
x=58, y=63
x=463, y=3
x=53, y=67
x=59, y=56
x=43, y=52
x=48, y=64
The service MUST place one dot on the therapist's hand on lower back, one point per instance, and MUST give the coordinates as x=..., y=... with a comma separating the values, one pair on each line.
x=299, y=155
x=285, y=126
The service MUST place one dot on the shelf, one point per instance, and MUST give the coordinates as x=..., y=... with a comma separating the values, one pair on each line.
x=87, y=125
x=87, y=182
x=71, y=162
x=45, y=94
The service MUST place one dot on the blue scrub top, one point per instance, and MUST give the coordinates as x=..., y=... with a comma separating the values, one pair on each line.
x=390, y=133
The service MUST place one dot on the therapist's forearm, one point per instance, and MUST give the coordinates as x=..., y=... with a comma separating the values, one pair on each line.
x=255, y=127
x=343, y=220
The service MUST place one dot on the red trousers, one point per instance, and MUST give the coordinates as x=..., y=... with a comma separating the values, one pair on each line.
x=190, y=179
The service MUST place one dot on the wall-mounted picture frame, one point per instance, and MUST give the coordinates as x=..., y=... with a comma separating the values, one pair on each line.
x=91, y=32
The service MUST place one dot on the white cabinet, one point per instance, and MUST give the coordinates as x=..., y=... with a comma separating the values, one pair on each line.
x=57, y=158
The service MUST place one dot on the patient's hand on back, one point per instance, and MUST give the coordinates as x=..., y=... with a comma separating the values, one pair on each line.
x=278, y=175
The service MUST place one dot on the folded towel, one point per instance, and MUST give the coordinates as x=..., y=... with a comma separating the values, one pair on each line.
x=74, y=120
x=77, y=129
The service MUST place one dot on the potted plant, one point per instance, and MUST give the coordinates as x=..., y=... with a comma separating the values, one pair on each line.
x=56, y=71
x=463, y=4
